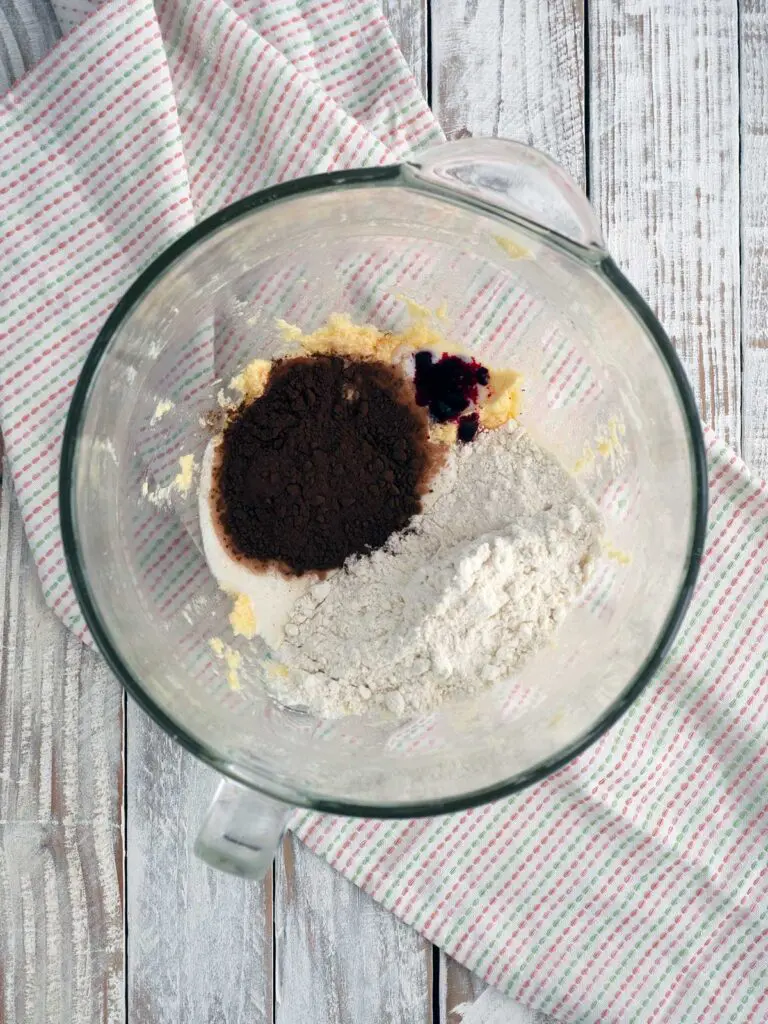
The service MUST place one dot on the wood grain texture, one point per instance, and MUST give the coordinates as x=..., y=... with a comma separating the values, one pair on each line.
x=61, y=853
x=408, y=20
x=199, y=941
x=754, y=231
x=513, y=68
x=459, y=988
x=665, y=160
x=466, y=1000
x=340, y=956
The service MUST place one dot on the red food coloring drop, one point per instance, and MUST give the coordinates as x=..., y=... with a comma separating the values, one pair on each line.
x=468, y=427
x=448, y=386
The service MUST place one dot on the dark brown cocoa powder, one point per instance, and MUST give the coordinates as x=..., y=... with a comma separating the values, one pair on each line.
x=331, y=460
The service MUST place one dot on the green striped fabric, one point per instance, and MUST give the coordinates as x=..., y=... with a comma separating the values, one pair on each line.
x=632, y=885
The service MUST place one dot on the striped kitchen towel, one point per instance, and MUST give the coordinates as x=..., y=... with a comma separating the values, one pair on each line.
x=632, y=885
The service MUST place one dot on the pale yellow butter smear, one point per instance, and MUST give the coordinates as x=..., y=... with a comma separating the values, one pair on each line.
x=504, y=401
x=608, y=444
x=231, y=658
x=182, y=483
x=513, y=249
x=340, y=336
x=252, y=380
x=443, y=433
x=242, y=618
x=164, y=406
x=616, y=554
x=185, y=476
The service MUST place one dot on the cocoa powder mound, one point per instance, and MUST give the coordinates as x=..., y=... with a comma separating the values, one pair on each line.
x=331, y=460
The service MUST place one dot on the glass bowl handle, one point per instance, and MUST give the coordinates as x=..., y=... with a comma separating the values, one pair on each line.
x=242, y=830
x=514, y=178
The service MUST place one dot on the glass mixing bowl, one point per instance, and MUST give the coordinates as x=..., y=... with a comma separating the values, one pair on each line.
x=503, y=240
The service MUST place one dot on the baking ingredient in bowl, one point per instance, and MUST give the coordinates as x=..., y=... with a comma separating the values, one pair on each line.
x=447, y=385
x=479, y=581
x=180, y=484
x=242, y=618
x=232, y=659
x=341, y=336
x=331, y=460
x=163, y=407
x=252, y=379
x=504, y=401
x=317, y=519
x=447, y=381
x=185, y=477
x=608, y=445
x=271, y=594
x=462, y=395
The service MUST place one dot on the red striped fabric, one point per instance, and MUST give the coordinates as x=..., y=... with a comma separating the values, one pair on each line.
x=632, y=885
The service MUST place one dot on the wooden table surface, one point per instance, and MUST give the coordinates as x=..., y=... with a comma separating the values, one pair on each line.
x=660, y=109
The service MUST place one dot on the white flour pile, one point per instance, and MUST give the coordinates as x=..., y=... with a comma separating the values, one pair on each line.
x=482, y=580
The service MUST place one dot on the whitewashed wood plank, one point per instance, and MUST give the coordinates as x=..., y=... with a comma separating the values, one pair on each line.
x=199, y=941
x=754, y=227
x=61, y=854
x=340, y=956
x=408, y=20
x=460, y=990
x=513, y=68
x=468, y=1001
x=665, y=145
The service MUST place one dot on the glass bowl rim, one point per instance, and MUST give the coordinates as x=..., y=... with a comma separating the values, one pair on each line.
x=602, y=264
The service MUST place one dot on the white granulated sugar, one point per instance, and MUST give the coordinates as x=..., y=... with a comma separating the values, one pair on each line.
x=480, y=581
